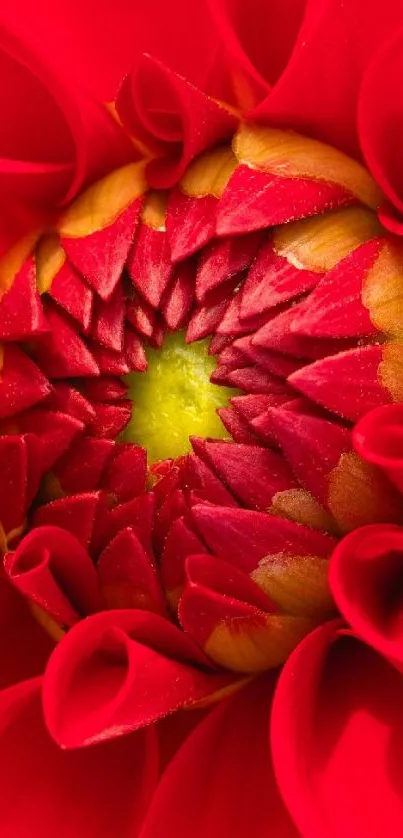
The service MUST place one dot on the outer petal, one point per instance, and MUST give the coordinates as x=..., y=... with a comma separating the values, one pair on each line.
x=258, y=38
x=336, y=737
x=100, y=46
x=230, y=787
x=318, y=91
x=24, y=645
x=94, y=793
x=380, y=120
x=54, y=138
x=365, y=578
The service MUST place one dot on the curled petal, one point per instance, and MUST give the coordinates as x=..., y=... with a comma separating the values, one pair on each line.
x=118, y=671
x=336, y=733
x=257, y=39
x=54, y=139
x=380, y=121
x=171, y=117
x=53, y=570
x=366, y=574
x=378, y=438
x=228, y=791
x=323, y=104
x=93, y=793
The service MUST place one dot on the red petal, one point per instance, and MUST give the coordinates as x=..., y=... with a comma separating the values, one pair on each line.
x=77, y=514
x=55, y=433
x=22, y=384
x=53, y=570
x=180, y=543
x=358, y=369
x=127, y=577
x=137, y=513
x=243, y=537
x=101, y=256
x=328, y=39
x=118, y=671
x=66, y=399
x=272, y=280
x=125, y=474
x=179, y=297
x=170, y=115
x=222, y=260
x=255, y=199
x=107, y=320
x=19, y=659
x=335, y=727
x=201, y=478
x=335, y=308
x=21, y=314
x=365, y=572
x=150, y=265
x=257, y=43
x=103, y=789
x=110, y=419
x=74, y=137
x=216, y=760
x=63, y=354
x=253, y=474
x=236, y=426
x=312, y=446
x=378, y=438
x=190, y=223
x=14, y=464
x=80, y=470
x=72, y=293
x=380, y=95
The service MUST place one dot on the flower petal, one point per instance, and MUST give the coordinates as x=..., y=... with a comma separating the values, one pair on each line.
x=380, y=117
x=54, y=137
x=119, y=671
x=19, y=659
x=230, y=786
x=323, y=104
x=336, y=738
x=93, y=793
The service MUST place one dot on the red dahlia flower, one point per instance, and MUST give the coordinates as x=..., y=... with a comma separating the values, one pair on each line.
x=201, y=420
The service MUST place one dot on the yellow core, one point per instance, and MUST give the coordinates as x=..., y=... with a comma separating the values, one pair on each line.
x=174, y=399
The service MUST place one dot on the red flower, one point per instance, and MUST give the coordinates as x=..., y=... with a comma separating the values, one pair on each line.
x=209, y=244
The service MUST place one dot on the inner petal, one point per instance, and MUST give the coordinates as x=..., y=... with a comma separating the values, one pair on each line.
x=175, y=399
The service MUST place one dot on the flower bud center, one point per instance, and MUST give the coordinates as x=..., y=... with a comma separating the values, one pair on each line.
x=175, y=399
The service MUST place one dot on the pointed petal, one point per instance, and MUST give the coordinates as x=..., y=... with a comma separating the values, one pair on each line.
x=244, y=537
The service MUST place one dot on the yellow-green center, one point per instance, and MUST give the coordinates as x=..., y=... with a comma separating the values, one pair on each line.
x=175, y=399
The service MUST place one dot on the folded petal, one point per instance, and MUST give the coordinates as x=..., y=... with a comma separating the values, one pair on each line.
x=100, y=47
x=380, y=121
x=92, y=793
x=258, y=39
x=365, y=578
x=230, y=785
x=119, y=671
x=336, y=737
x=171, y=117
x=323, y=102
x=54, y=137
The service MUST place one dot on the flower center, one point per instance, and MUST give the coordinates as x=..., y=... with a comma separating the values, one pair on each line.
x=175, y=399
